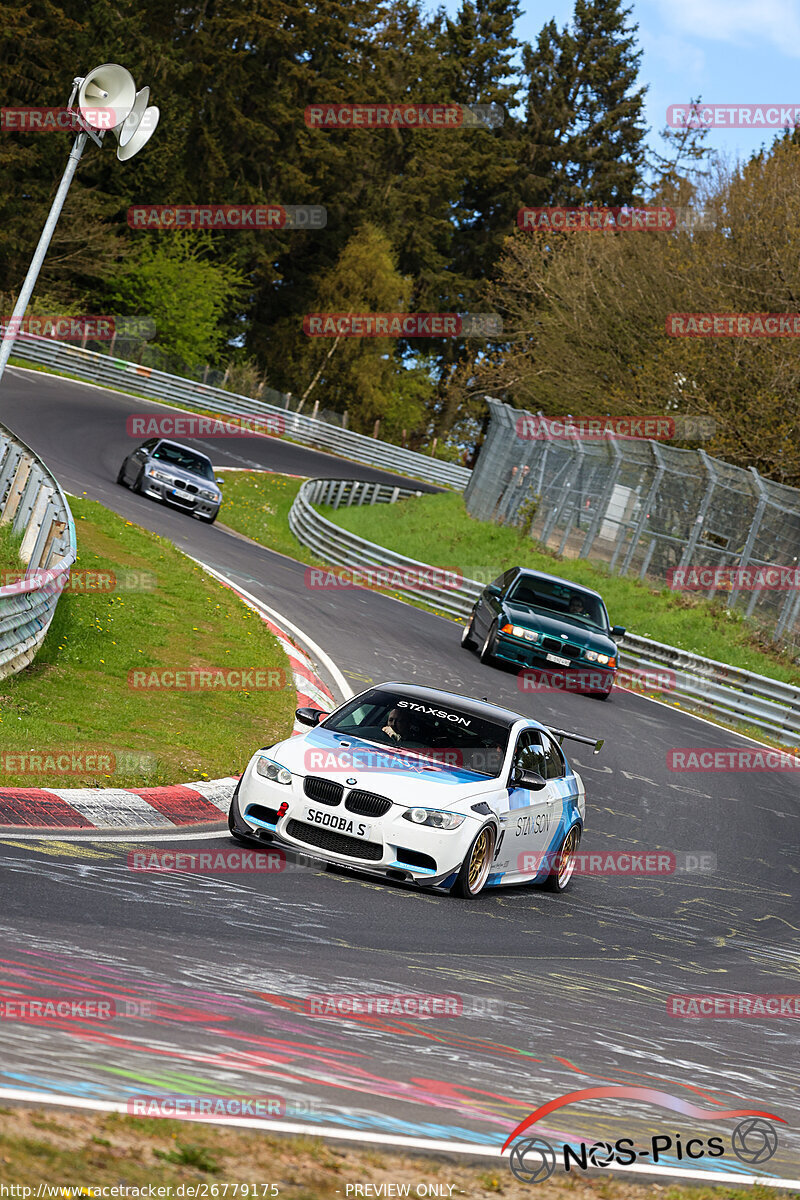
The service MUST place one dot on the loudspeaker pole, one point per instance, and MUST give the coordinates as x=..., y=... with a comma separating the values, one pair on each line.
x=41, y=250
x=112, y=85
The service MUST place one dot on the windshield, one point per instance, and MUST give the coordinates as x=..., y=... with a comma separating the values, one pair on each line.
x=187, y=460
x=440, y=732
x=571, y=604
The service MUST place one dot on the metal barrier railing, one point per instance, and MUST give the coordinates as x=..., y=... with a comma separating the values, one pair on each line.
x=33, y=504
x=174, y=389
x=740, y=697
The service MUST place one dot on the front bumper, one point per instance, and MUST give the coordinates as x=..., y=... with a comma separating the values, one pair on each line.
x=197, y=505
x=583, y=675
x=396, y=847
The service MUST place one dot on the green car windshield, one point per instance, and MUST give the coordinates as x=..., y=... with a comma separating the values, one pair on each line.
x=562, y=601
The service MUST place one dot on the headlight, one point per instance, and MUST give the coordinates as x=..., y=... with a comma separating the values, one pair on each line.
x=434, y=817
x=209, y=495
x=517, y=631
x=273, y=771
x=591, y=655
x=603, y=658
x=154, y=473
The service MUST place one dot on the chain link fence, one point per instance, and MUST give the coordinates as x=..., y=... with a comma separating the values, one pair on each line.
x=645, y=509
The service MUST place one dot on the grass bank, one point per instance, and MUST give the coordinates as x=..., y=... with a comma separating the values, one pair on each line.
x=60, y=1148
x=99, y=683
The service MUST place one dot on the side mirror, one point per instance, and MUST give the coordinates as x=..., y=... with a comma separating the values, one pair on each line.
x=310, y=716
x=617, y=631
x=531, y=780
x=492, y=590
x=219, y=482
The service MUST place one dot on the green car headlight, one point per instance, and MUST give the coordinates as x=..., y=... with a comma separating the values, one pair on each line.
x=591, y=655
x=273, y=771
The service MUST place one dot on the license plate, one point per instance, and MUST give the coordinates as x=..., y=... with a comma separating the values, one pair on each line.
x=562, y=662
x=339, y=822
x=182, y=495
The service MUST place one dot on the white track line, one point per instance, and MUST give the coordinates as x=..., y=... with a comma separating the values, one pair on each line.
x=86, y=835
x=474, y=1149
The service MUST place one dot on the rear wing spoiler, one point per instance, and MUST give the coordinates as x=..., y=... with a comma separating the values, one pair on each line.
x=560, y=734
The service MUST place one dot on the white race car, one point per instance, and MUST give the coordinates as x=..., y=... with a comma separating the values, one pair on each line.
x=423, y=786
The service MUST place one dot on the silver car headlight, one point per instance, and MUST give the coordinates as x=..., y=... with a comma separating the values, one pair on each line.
x=154, y=473
x=434, y=817
x=273, y=771
x=209, y=495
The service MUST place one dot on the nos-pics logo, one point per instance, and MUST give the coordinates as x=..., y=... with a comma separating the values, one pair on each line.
x=534, y=1159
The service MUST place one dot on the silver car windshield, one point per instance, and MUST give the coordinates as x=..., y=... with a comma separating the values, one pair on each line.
x=187, y=460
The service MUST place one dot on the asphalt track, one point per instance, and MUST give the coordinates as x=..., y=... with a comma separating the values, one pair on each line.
x=560, y=993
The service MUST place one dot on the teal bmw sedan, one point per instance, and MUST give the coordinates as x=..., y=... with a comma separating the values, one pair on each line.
x=549, y=625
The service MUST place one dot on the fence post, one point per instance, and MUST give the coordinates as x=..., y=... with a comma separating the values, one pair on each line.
x=603, y=502
x=752, y=533
x=644, y=513
x=702, y=511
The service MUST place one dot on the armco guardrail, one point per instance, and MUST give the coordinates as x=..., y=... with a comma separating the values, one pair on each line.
x=173, y=389
x=32, y=502
x=737, y=696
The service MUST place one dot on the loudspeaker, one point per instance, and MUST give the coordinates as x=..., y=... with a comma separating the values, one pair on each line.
x=106, y=96
x=145, y=128
x=129, y=126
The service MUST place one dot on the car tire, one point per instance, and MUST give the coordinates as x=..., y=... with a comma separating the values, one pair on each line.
x=467, y=636
x=476, y=865
x=137, y=483
x=121, y=476
x=564, y=867
x=489, y=644
x=208, y=520
x=600, y=695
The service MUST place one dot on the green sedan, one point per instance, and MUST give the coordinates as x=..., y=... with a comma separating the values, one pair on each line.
x=548, y=625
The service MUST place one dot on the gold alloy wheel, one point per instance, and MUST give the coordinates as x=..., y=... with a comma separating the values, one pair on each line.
x=566, y=859
x=480, y=860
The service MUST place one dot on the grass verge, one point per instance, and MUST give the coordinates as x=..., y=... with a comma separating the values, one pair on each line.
x=60, y=1148
x=437, y=529
x=10, y=544
x=79, y=694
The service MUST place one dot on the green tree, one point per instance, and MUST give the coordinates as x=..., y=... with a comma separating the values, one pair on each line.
x=171, y=280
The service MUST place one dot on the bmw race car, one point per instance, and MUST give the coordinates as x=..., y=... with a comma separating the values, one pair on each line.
x=420, y=785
